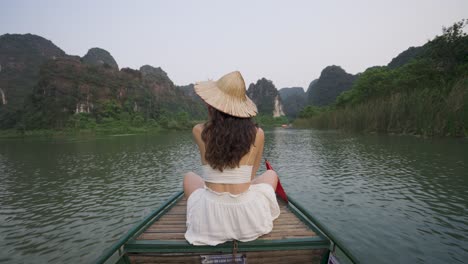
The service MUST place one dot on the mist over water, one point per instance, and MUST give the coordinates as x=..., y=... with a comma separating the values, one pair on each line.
x=388, y=198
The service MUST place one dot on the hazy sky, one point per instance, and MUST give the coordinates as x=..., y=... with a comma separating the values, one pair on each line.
x=289, y=42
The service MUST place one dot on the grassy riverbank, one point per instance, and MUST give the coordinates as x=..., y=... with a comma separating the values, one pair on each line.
x=82, y=125
x=420, y=112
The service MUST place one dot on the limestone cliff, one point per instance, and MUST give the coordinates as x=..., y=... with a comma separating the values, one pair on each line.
x=266, y=97
x=68, y=86
x=294, y=99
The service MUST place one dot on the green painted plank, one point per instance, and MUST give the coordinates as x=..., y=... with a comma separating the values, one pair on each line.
x=159, y=246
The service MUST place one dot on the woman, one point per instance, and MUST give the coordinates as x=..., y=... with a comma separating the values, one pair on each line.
x=228, y=202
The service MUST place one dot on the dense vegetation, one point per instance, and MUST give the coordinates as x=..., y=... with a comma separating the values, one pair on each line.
x=74, y=95
x=427, y=95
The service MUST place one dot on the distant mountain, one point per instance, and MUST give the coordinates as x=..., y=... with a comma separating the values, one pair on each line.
x=266, y=97
x=312, y=83
x=189, y=90
x=20, y=59
x=332, y=82
x=98, y=57
x=294, y=99
x=157, y=79
x=287, y=92
x=168, y=96
x=406, y=56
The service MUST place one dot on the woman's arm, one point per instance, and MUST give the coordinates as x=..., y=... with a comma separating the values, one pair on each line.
x=259, y=143
x=197, y=131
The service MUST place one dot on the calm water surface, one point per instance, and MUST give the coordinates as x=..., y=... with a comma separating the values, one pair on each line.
x=390, y=199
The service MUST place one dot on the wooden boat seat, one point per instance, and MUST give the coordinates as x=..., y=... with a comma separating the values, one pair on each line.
x=171, y=226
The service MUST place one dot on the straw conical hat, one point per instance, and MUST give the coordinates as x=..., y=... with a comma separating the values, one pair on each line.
x=227, y=95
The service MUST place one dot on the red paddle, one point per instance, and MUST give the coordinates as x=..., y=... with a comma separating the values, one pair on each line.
x=279, y=188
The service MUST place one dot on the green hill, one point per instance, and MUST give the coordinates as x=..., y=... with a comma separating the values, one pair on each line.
x=424, y=93
x=43, y=88
x=98, y=57
x=332, y=82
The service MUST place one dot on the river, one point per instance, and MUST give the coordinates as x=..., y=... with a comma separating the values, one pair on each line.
x=390, y=199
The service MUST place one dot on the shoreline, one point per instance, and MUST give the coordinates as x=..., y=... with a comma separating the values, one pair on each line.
x=372, y=132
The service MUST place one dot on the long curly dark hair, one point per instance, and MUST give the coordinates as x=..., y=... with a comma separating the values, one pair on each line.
x=227, y=139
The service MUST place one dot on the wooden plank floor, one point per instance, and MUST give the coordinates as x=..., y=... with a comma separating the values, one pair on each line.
x=171, y=226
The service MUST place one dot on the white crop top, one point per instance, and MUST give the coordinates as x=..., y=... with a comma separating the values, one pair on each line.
x=238, y=175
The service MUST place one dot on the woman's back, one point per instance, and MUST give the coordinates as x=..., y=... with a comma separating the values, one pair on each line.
x=249, y=164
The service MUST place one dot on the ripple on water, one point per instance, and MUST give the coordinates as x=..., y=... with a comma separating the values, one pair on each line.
x=389, y=199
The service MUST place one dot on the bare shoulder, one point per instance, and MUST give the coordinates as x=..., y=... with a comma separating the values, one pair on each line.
x=260, y=131
x=260, y=134
x=198, y=128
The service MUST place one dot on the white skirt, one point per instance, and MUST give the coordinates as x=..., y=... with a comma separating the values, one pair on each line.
x=214, y=218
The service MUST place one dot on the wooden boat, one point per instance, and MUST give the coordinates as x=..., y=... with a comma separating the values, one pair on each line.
x=296, y=238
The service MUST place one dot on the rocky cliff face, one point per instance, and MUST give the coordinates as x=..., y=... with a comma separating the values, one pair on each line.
x=157, y=79
x=68, y=86
x=100, y=57
x=266, y=97
x=189, y=90
x=294, y=99
x=332, y=82
x=20, y=59
x=167, y=95
x=2, y=95
x=278, y=110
